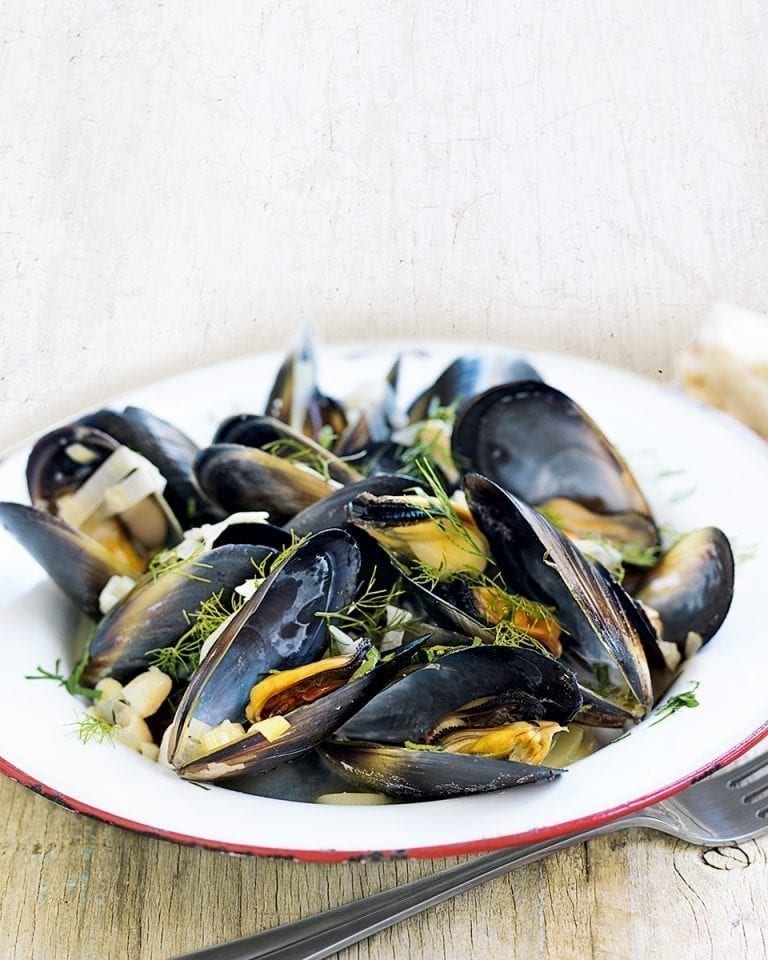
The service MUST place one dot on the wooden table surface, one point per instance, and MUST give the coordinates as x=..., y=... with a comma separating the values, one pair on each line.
x=184, y=182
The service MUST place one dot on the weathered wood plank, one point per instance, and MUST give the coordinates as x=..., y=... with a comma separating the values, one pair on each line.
x=72, y=888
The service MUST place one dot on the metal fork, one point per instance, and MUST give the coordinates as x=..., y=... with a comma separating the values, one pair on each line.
x=726, y=808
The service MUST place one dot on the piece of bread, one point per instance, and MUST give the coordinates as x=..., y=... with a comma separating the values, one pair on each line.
x=727, y=365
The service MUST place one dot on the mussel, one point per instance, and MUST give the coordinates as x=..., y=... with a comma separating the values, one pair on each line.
x=606, y=628
x=277, y=628
x=443, y=728
x=691, y=588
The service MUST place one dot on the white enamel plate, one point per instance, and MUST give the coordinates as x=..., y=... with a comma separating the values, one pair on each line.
x=696, y=468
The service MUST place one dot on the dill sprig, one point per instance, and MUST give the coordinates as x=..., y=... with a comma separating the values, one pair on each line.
x=506, y=634
x=320, y=460
x=167, y=561
x=72, y=682
x=640, y=556
x=183, y=657
x=427, y=440
x=445, y=514
x=367, y=614
x=90, y=727
x=424, y=575
x=264, y=568
x=294, y=451
x=678, y=702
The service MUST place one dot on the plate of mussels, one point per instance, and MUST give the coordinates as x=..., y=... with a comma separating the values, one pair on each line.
x=404, y=598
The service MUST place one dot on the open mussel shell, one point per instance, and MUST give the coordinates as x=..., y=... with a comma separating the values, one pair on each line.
x=691, y=588
x=277, y=628
x=77, y=564
x=62, y=461
x=244, y=478
x=169, y=449
x=440, y=608
x=332, y=511
x=52, y=470
x=296, y=399
x=412, y=705
x=310, y=725
x=157, y=612
x=412, y=775
x=466, y=377
x=607, y=629
x=371, y=416
x=250, y=430
x=535, y=442
x=634, y=535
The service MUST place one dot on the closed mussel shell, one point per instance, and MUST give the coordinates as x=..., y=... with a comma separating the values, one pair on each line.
x=277, y=628
x=241, y=478
x=607, y=629
x=412, y=775
x=158, y=609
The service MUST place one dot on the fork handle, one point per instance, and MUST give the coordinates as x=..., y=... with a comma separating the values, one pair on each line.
x=323, y=934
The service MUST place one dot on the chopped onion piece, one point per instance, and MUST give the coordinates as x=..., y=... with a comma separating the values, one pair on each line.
x=271, y=729
x=114, y=590
x=85, y=501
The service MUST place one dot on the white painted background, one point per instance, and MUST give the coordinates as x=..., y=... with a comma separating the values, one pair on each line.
x=183, y=182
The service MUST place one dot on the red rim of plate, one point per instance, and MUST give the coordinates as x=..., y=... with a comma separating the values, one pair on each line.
x=439, y=850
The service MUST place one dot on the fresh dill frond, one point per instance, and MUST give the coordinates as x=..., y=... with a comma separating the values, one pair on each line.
x=72, y=682
x=640, y=556
x=743, y=552
x=673, y=472
x=320, y=461
x=445, y=514
x=367, y=614
x=167, y=561
x=680, y=495
x=183, y=657
x=294, y=451
x=263, y=568
x=677, y=703
x=89, y=727
x=327, y=436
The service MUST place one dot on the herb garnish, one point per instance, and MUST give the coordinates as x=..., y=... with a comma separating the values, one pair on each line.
x=676, y=703
x=183, y=657
x=367, y=614
x=72, y=682
x=168, y=561
x=90, y=727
